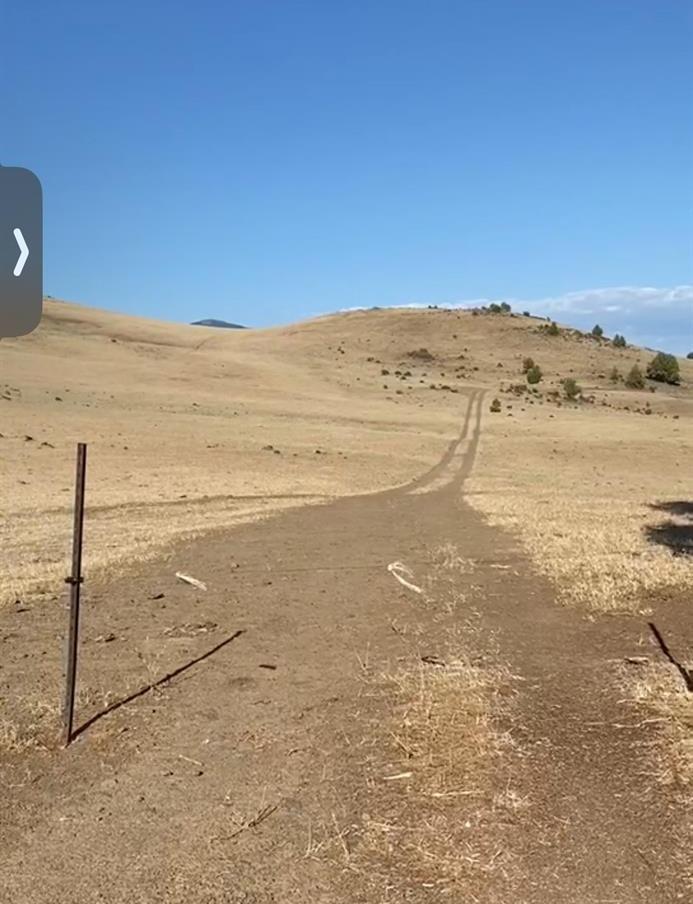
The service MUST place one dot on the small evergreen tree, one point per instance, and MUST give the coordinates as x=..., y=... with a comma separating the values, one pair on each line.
x=494, y=308
x=664, y=368
x=690, y=356
x=597, y=331
x=635, y=378
x=505, y=307
x=495, y=406
x=619, y=341
x=615, y=375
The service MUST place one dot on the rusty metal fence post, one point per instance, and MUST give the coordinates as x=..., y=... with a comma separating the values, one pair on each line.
x=75, y=582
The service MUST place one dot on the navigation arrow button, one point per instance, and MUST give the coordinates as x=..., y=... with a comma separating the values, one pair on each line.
x=23, y=252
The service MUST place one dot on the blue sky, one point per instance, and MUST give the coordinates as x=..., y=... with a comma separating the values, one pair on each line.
x=265, y=161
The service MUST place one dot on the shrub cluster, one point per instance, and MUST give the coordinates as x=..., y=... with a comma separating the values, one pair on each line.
x=494, y=308
x=664, y=368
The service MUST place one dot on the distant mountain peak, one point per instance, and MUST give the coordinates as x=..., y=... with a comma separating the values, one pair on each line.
x=221, y=324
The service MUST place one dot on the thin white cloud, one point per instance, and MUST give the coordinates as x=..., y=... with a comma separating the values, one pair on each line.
x=613, y=299
x=661, y=317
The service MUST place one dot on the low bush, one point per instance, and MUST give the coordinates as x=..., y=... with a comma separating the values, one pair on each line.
x=534, y=374
x=551, y=328
x=635, y=378
x=495, y=406
x=664, y=368
x=527, y=364
x=571, y=388
x=422, y=354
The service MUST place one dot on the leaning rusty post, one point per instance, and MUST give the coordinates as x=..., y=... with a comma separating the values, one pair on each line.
x=75, y=582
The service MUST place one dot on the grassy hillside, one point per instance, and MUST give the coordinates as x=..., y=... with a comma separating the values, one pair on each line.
x=192, y=428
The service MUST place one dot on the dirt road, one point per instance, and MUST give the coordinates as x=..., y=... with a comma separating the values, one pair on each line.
x=219, y=781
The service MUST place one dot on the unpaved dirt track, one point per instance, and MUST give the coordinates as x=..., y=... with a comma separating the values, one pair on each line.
x=157, y=799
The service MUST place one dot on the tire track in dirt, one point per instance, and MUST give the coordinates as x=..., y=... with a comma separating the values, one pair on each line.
x=444, y=471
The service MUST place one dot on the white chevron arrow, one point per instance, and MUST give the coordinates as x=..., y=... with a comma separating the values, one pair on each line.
x=23, y=252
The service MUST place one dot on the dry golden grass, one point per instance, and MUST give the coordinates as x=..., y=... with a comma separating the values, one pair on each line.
x=37, y=545
x=178, y=421
x=442, y=587
x=13, y=740
x=442, y=751
x=576, y=488
x=659, y=687
x=432, y=799
x=35, y=727
x=660, y=690
x=433, y=769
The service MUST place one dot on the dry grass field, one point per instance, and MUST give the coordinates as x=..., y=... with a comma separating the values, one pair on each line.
x=189, y=429
x=194, y=430
x=582, y=489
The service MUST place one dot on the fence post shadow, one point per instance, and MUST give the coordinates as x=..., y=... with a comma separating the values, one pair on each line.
x=169, y=676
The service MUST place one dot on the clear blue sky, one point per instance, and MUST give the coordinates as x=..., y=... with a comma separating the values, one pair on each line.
x=263, y=161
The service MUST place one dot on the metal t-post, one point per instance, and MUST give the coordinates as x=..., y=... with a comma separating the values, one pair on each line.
x=75, y=582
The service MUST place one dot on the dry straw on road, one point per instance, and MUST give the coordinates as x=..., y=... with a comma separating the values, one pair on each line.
x=435, y=770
